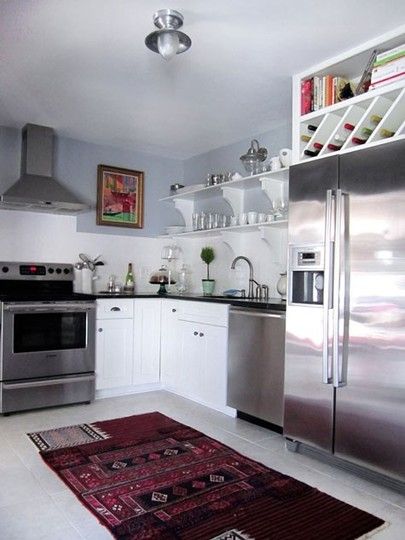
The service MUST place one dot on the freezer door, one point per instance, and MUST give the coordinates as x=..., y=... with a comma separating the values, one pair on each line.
x=370, y=406
x=307, y=199
x=308, y=400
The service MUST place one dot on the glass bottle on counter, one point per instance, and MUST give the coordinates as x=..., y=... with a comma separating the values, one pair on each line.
x=182, y=283
x=129, y=286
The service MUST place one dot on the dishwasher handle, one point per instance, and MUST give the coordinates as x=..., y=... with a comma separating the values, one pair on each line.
x=252, y=313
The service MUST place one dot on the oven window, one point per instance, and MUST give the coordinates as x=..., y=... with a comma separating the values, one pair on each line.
x=49, y=331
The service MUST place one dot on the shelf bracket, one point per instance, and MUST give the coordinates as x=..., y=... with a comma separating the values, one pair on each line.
x=186, y=209
x=276, y=240
x=235, y=198
x=275, y=189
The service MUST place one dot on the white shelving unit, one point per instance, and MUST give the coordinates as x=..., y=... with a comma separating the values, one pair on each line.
x=273, y=184
x=387, y=102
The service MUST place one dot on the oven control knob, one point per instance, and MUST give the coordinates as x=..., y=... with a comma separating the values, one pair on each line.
x=66, y=270
x=5, y=269
x=51, y=270
x=58, y=270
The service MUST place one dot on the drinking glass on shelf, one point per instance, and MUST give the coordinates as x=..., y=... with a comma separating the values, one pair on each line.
x=280, y=208
x=202, y=221
x=210, y=221
x=216, y=220
x=223, y=222
x=195, y=221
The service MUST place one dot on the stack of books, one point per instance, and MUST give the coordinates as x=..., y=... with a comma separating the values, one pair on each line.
x=320, y=92
x=389, y=67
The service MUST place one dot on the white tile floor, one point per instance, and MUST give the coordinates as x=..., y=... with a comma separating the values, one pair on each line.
x=35, y=504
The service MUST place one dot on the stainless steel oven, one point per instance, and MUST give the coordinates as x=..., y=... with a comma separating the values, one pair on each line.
x=47, y=343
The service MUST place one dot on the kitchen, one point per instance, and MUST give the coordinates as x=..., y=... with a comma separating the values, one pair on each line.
x=61, y=238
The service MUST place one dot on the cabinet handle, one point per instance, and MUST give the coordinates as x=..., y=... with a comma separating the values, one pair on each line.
x=201, y=334
x=174, y=310
x=196, y=333
x=115, y=309
x=100, y=329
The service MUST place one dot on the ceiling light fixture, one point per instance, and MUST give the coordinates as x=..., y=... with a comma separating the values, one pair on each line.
x=168, y=40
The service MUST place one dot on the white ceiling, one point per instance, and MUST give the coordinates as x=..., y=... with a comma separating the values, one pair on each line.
x=81, y=66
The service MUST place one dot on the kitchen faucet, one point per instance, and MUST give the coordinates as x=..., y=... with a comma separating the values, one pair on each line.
x=251, y=280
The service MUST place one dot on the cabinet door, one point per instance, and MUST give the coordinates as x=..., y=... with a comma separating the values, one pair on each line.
x=170, y=344
x=146, y=341
x=113, y=353
x=214, y=349
x=202, y=369
x=190, y=377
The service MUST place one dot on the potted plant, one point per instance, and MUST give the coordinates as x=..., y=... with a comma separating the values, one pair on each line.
x=207, y=255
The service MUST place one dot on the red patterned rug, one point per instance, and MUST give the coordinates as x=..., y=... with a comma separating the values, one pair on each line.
x=157, y=479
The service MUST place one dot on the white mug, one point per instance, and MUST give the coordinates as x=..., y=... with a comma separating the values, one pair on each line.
x=243, y=218
x=285, y=156
x=275, y=163
x=252, y=217
x=262, y=218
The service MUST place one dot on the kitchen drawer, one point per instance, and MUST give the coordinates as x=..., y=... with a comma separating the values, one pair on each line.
x=118, y=308
x=205, y=313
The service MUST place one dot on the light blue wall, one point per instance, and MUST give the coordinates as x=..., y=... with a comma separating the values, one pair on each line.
x=76, y=167
x=226, y=158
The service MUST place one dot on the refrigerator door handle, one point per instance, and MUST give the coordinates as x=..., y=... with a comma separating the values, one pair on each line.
x=339, y=290
x=327, y=290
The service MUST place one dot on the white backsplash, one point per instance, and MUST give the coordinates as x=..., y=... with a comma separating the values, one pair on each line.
x=26, y=236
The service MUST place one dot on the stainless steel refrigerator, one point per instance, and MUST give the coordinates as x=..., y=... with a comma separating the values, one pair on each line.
x=345, y=322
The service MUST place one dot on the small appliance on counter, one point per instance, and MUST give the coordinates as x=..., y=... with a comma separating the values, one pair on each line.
x=47, y=337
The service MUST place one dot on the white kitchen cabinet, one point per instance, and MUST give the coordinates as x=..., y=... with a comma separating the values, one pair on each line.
x=114, y=343
x=194, y=350
x=146, y=358
x=202, y=359
x=170, y=343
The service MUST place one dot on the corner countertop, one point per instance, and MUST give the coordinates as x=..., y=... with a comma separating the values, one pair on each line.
x=274, y=304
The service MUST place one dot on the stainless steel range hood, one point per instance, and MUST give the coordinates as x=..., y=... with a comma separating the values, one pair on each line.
x=37, y=190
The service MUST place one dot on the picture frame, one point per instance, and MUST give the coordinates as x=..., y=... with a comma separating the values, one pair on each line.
x=119, y=197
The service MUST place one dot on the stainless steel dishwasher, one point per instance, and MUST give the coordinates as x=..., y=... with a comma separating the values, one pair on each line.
x=256, y=363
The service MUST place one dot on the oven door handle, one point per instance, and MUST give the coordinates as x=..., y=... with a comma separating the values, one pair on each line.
x=47, y=382
x=35, y=308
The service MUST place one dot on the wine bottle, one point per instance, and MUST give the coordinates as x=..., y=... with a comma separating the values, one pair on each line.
x=339, y=138
x=367, y=131
x=357, y=140
x=318, y=145
x=334, y=147
x=129, y=286
x=306, y=138
x=348, y=126
x=375, y=118
x=386, y=133
x=311, y=153
x=311, y=127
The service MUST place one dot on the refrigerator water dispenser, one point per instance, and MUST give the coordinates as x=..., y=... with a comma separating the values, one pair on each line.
x=306, y=275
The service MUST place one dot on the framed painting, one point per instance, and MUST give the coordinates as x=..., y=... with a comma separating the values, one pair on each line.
x=119, y=197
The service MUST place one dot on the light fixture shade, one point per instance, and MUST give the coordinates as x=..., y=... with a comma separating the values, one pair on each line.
x=168, y=43
x=168, y=40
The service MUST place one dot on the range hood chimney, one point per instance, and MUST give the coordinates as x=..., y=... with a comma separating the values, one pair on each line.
x=37, y=190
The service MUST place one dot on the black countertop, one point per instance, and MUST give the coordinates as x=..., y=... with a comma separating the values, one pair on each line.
x=275, y=304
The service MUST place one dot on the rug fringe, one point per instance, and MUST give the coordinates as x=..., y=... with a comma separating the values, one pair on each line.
x=99, y=431
x=233, y=534
x=370, y=534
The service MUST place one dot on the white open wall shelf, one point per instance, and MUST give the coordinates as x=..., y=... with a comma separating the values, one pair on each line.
x=387, y=102
x=273, y=184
